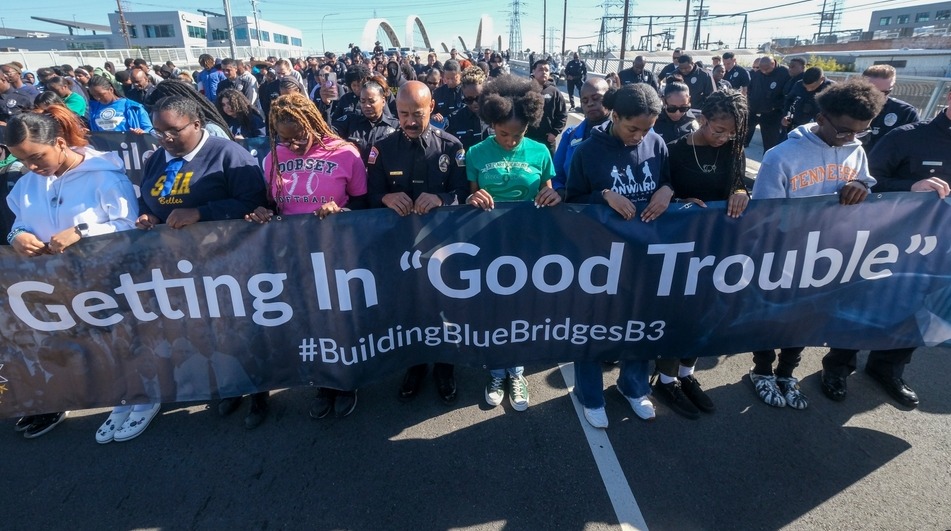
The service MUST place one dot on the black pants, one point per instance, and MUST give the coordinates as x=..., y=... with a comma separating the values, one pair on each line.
x=789, y=359
x=770, y=126
x=841, y=361
x=439, y=369
x=572, y=83
x=671, y=366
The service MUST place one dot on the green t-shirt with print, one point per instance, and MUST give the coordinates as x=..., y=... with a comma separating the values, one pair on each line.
x=509, y=175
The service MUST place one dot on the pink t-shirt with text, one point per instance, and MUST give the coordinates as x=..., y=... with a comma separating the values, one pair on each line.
x=305, y=183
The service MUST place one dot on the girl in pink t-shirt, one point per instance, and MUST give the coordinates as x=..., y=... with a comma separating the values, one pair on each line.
x=311, y=170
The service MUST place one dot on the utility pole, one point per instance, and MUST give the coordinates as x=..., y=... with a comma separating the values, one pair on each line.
x=257, y=28
x=230, y=28
x=544, y=24
x=627, y=7
x=696, y=38
x=564, y=28
x=686, y=25
x=122, y=25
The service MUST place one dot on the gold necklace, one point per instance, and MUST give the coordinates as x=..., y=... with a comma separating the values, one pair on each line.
x=705, y=168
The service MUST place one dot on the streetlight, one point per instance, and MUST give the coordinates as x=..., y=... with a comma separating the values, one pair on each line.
x=322, y=45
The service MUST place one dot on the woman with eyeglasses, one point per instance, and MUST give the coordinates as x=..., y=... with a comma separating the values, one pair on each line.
x=374, y=122
x=507, y=166
x=466, y=124
x=821, y=158
x=110, y=112
x=70, y=192
x=211, y=120
x=623, y=163
x=676, y=120
x=708, y=164
x=195, y=176
x=311, y=170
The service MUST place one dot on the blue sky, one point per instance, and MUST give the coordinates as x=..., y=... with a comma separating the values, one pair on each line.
x=444, y=19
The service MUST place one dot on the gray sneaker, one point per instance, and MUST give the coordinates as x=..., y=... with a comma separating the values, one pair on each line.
x=518, y=393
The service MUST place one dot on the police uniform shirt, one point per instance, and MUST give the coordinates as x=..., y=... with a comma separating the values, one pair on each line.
x=576, y=69
x=13, y=102
x=468, y=127
x=737, y=77
x=895, y=113
x=448, y=100
x=364, y=133
x=628, y=77
x=766, y=91
x=345, y=108
x=434, y=163
x=700, y=84
x=911, y=153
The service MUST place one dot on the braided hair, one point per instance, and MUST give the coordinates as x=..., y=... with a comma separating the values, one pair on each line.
x=207, y=112
x=239, y=104
x=294, y=108
x=731, y=104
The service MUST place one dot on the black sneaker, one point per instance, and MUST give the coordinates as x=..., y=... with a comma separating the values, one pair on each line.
x=323, y=403
x=43, y=424
x=693, y=391
x=673, y=397
x=344, y=404
x=257, y=412
x=24, y=422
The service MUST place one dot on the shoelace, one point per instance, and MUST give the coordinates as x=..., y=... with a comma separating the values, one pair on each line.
x=518, y=388
x=496, y=384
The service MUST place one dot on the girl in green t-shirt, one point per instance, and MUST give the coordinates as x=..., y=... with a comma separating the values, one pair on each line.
x=509, y=167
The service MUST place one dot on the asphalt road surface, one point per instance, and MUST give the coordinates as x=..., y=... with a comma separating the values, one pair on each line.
x=860, y=464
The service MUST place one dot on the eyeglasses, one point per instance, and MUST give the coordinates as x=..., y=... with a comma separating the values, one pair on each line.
x=841, y=133
x=682, y=108
x=295, y=141
x=722, y=134
x=470, y=101
x=171, y=134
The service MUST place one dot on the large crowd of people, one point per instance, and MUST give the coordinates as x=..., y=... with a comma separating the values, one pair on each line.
x=413, y=135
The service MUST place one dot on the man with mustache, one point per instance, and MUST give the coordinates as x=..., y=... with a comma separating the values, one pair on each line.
x=413, y=170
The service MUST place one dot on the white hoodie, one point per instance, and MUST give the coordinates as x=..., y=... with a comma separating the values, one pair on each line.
x=96, y=192
x=805, y=166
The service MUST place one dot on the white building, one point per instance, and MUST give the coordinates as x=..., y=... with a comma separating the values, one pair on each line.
x=163, y=29
x=265, y=34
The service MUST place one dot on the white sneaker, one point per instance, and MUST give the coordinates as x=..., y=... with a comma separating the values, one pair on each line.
x=643, y=407
x=136, y=423
x=596, y=417
x=107, y=431
x=495, y=391
x=518, y=393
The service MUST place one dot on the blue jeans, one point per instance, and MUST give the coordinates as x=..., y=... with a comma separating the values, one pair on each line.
x=589, y=383
x=514, y=372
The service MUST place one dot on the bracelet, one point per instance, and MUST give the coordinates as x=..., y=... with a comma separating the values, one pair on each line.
x=13, y=234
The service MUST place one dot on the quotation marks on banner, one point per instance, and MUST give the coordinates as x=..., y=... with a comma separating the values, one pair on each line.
x=3, y=382
x=931, y=242
x=308, y=349
x=404, y=260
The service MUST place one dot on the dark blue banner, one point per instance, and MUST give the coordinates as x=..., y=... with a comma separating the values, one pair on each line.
x=220, y=309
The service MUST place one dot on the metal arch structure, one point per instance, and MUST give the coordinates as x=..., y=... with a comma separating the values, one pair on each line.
x=414, y=20
x=485, y=26
x=369, y=33
x=461, y=41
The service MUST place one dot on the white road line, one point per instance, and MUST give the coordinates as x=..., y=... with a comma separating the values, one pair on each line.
x=619, y=491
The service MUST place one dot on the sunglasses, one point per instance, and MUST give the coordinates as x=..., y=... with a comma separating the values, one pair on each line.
x=470, y=101
x=682, y=108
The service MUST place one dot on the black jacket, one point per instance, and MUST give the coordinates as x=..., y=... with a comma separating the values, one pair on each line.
x=895, y=113
x=912, y=153
x=467, y=127
x=765, y=94
x=554, y=118
x=364, y=133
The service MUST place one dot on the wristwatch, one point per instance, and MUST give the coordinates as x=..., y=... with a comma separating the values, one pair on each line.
x=83, y=230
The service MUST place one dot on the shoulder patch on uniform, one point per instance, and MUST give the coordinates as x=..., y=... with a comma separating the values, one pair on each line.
x=374, y=153
x=891, y=119
x=461, y=158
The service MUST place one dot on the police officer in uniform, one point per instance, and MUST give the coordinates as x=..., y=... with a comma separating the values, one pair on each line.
x=11, y=101
x=914, y=157
x=697, y=80
x=413, y=170
x=766, y=102
x=895, y=113
x=576, y=72
x=448, y=96
x=637, y=74
x=374, y=122
x=465, y=123
x=737, y=76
